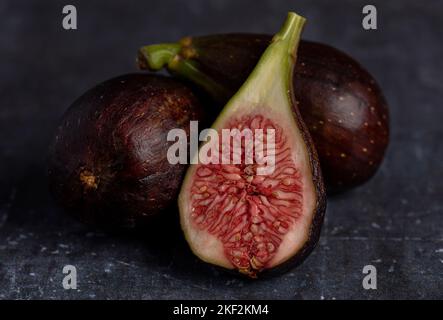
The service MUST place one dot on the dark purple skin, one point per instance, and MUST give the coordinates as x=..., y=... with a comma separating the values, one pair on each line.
x=340, y=102
x=108, y=164
x=345, y=112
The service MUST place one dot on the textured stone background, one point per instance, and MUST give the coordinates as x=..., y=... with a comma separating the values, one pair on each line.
x=394, y=221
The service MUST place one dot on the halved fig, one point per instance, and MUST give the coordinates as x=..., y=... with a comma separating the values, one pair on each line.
x=254, y=199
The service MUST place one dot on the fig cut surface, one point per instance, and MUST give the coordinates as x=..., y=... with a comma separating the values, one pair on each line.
x=259, y=202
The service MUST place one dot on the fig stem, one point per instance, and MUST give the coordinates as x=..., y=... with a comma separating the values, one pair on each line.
x=279, y=59
x=290, y=35
x=283, y=52
x=155, y=57
x=177, y=59
x=189, y=70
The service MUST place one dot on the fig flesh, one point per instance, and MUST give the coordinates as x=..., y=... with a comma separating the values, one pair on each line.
x=235, y=210
x=340, y=102
x=108, y=163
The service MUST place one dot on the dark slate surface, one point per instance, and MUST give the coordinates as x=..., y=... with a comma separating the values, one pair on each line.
x=393, y=222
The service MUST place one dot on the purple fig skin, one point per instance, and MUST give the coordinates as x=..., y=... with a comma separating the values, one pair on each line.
x=340, y=102
x=345, y=112
x=108, y=164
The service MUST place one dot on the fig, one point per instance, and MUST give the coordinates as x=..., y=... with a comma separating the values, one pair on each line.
x=108, y=164
x=340, y=102
x=255, y=201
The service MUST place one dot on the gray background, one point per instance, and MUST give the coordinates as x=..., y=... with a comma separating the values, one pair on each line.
x=393, y=222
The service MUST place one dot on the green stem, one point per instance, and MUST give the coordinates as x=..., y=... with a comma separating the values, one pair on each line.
x=279, y=57
x=289, y=36
x=157, y=56
x=178, y=58
x=189, y=70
